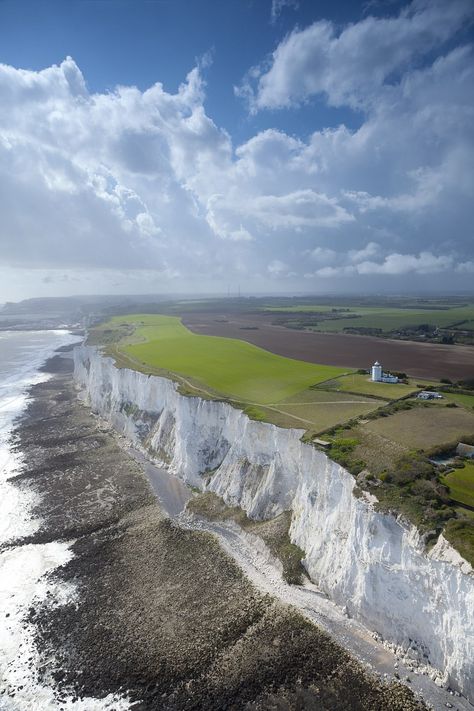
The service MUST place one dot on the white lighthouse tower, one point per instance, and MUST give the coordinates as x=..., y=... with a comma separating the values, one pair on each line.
x=377, y=373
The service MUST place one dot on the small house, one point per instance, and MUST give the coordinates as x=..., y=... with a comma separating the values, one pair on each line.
x=429, y=395
x=465, y=450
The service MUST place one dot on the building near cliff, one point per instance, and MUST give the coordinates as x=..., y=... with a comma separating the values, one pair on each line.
x=465, y=450
x=378, y=376
x=429, y=395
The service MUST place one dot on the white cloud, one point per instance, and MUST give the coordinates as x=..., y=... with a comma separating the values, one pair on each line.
x=466, y=267
x=321, y=255
x=297, y=210
x=351, y=66
x=277, y=268
x=392, y=265
x=279, y=5
x=132, y=180
x=358, y=255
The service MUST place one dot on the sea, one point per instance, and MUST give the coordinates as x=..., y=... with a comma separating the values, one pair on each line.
x=24, y=568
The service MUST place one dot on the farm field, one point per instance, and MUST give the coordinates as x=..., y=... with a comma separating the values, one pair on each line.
x=230, y=367
x=467, y=326
x=461, y=484
x=460, y=399
x=268, y=387
x=420, y=360
x=384, y=318
x=424, y=427
x=315, y=409
x=361, y=384
x=313, y=417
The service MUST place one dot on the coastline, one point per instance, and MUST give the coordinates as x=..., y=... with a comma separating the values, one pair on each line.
x=148, y=611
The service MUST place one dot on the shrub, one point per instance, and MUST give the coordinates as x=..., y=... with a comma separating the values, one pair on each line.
x=467, y=384
x=409, y=468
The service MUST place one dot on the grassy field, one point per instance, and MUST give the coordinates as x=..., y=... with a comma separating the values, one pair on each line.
x=461, y=484
x=269, y=388
x=424, y=427
x=362, y=385
x=461, y=399
x=467, y=326
x=306, y=309
x=230, y=367
x=385, y=318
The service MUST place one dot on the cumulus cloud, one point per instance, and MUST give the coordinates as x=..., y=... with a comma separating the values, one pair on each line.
x=350, y=67
x=145, y=182
x=393, y=264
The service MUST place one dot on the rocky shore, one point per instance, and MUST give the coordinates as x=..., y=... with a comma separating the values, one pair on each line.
x=160, y=614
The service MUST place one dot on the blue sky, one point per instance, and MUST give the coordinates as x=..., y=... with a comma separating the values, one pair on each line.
x=291, y=146
x=140, y=42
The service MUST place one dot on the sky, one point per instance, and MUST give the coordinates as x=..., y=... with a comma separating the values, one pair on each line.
x=186, y=146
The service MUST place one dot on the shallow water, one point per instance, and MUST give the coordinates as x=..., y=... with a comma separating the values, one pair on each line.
x=23, y=569
x=22, y=353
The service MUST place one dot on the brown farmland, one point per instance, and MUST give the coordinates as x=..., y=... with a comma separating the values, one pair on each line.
x=421, y=360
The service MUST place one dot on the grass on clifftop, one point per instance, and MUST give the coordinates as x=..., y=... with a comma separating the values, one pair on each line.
x=230, y=367
x=461, y=483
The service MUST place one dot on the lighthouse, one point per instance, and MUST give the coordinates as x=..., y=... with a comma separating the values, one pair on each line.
x=377, y=372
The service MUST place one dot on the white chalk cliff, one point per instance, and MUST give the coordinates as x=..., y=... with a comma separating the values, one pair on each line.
x=370, y=562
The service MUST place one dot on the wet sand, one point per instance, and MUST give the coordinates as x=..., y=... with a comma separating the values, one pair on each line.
x=161, y=614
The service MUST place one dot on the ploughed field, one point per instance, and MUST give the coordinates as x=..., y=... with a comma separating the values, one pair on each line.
x=420, y=360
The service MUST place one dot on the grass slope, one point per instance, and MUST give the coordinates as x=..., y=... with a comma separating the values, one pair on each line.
x=466, y=401
x=461, y=484
x=234, y=368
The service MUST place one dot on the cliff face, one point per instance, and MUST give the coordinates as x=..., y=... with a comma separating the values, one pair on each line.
x=369, y=562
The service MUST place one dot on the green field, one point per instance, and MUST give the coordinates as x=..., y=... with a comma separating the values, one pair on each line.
x=269, y=387
x=461, y=484
x=424, y=427
x=362, y=385
x=306, y=309
x=385, y=318
x=227, y=366
x=461, y=399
